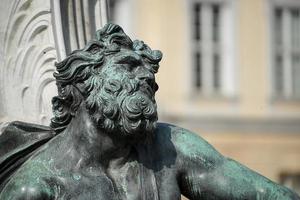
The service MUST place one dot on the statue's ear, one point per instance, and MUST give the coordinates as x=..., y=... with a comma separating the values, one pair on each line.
x=61, y=115
x=57, y=104
x=67, y=101
x=65, y=106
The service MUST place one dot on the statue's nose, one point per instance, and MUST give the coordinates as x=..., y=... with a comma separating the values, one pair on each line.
x=144, y=74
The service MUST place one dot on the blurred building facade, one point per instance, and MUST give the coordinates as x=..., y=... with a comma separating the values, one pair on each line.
x=230, y=72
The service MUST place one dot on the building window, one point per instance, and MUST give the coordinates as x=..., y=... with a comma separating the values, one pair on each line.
x=213, y=46
x=286, y=50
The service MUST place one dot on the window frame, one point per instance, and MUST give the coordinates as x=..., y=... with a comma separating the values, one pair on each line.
x=287, y=93
x=227, y=59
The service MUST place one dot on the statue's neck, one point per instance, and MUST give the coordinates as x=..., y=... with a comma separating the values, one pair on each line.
x=93, y=146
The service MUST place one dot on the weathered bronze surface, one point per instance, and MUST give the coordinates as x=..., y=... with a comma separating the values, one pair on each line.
x=104, y=141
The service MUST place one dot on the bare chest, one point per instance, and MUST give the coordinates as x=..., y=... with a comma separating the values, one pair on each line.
x=133, y=182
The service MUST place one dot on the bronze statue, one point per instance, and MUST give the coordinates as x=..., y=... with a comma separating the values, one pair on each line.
x=104, y=141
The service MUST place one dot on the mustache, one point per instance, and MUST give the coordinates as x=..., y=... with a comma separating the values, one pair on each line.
x=118, y=88
x=146, y=86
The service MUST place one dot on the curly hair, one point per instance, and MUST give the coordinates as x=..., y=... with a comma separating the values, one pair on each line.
x=75, y=75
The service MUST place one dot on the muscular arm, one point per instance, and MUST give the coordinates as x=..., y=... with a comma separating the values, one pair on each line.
x=206, y=174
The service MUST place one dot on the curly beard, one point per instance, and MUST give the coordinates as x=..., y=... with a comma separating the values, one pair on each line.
x=124, y=108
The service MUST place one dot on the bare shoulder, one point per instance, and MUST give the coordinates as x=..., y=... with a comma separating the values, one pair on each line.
x=27, y=190
x=190, y=147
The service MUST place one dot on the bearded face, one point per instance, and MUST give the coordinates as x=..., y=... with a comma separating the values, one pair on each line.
x=114, y=77
x=121, y=96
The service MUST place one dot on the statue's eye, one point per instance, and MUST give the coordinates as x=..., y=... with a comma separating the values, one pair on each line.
x=128, y=59
x=152, y=68
x=129, y=67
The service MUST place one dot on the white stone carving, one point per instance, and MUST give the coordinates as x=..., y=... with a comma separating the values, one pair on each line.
x=38, y=33
x=27, y=82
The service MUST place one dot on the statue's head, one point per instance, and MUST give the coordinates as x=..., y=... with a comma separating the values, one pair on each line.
x=113, y=78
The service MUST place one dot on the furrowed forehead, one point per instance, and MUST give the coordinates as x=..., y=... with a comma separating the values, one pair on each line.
x=134, y=59
x=128, y=57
